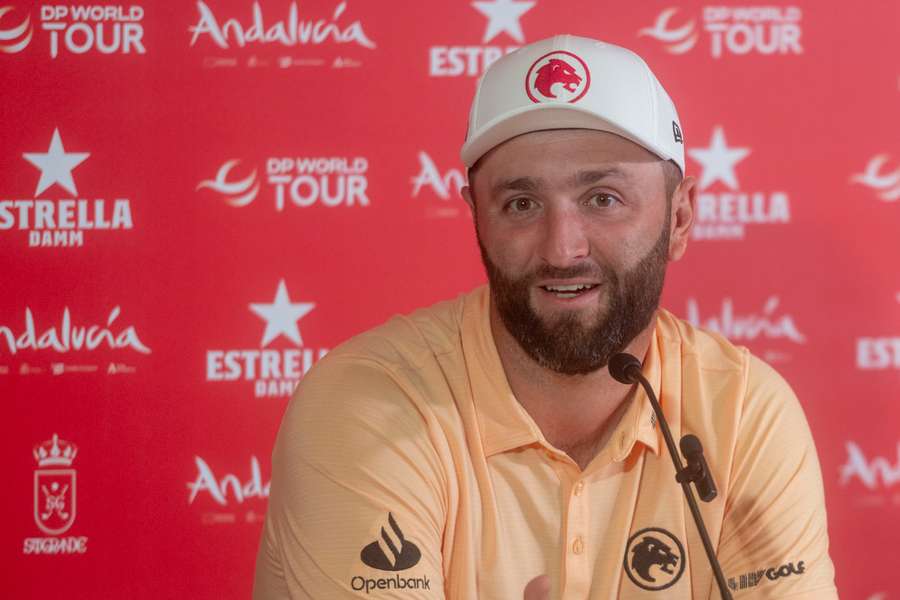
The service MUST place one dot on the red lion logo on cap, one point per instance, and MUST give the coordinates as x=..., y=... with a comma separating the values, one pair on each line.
x=556, y=71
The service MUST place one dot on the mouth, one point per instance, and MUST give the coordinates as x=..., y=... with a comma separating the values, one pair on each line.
x=569, y=291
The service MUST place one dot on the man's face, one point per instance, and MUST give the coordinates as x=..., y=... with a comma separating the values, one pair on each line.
x=574, y=231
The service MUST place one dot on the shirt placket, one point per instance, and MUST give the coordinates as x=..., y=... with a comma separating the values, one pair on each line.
x=576, y=571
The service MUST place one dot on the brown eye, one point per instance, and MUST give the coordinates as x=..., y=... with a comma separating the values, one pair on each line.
x=520, y=204
x=602, y=200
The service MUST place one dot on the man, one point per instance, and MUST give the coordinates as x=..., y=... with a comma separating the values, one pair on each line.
x=480, y=446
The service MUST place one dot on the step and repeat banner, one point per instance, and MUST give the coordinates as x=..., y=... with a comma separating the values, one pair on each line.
x=198, y=199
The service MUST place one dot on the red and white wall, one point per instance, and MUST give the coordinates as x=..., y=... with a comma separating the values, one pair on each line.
x=199, y=199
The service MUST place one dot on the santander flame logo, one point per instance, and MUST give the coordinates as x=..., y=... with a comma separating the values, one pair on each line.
x=236, y=193
x=15, y=33
x=678, y=40
x=559, y=76
x=887, y=184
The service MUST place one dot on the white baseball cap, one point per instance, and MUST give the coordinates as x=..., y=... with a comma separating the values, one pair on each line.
x=568, y=82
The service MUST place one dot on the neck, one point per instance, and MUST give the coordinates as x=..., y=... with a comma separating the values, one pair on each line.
x=576, y=413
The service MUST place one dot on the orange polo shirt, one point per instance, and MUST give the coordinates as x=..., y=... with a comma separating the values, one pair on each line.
x=405, y=468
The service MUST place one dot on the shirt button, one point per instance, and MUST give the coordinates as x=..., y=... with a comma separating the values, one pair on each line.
x=579, y=487
x=578, y=545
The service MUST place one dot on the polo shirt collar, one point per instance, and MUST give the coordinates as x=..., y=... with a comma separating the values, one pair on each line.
x=505, y=425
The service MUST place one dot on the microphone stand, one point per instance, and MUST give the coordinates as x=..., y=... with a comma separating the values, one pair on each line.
x=684, y=476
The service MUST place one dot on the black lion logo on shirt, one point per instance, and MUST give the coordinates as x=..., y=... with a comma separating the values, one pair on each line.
x=654, y=559
x=650, y=551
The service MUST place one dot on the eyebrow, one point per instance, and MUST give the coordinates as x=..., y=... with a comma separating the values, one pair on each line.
x=581, y=178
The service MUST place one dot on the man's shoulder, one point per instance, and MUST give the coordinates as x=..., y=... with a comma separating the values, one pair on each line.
x=710, y=349
x=408, y=340
x=711, y=352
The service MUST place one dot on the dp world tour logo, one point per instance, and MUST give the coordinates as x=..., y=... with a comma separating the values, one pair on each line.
x=883, y=181
x=16, y=38
x=559, y=76
x=678, y=39
x=392, y=552
x=235, y=193
x=654, y=559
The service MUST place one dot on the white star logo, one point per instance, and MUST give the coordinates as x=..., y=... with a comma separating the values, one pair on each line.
x=281, y=316
x=503, y=15
x=718, y=160
x=56, y=165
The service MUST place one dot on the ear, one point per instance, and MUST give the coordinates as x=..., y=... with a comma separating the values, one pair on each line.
x=684, y=201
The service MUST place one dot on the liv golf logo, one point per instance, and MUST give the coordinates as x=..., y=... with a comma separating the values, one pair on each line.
x=63, y=220
x=302, y=182
x=55, y=499
x=724, y=208
x=274, y=372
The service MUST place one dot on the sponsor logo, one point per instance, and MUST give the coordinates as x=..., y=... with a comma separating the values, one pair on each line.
x=14, y=38
x=445, y=187
x=72, y=336
x=766, y=324
x=302, y=182
x=471, y=61
x=559, y=76
x=55, y=499
x=228, y=490
x=654, y=559
x=754, y=578
x=68, y=337
x=731, y=30
x=390, y=552
x=676, y=133
x=726, y=214
x=875, y=474
x=235, y=193
x=292, y=31
x=878, y=353
x=887, y=184
x=274, y=372
x=77, y=29
x=61, y=222
x=747, y=580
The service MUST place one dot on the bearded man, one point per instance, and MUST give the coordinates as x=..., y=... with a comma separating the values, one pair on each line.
x=480, y=448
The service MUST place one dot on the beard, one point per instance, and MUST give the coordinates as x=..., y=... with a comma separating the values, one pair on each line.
x=564, y=343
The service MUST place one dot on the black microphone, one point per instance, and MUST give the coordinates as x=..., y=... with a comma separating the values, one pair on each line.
x=626, y=369
x=697, y=470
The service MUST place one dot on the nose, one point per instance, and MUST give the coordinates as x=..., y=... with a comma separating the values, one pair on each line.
x=565, y=241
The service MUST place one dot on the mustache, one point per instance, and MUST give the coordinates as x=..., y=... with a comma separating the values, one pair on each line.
x=581, y=270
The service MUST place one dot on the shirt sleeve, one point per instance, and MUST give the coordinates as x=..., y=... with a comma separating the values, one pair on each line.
x=357, y=503
x=774, y=541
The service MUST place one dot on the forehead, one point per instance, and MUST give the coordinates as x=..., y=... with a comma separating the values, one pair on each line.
x=558, y=156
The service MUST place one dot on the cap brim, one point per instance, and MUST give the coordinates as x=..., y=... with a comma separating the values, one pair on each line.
x=542, y=117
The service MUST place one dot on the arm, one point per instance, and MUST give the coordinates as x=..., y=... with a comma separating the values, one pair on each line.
x=774, y=541
x=357, y=505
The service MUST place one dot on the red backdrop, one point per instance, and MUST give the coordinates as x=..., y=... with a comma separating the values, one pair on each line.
x=199, y=199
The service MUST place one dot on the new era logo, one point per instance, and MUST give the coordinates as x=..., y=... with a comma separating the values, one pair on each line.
x=392, y=552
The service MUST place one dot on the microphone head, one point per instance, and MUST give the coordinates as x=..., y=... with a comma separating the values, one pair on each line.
x=621, y=364
x=690, y=445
